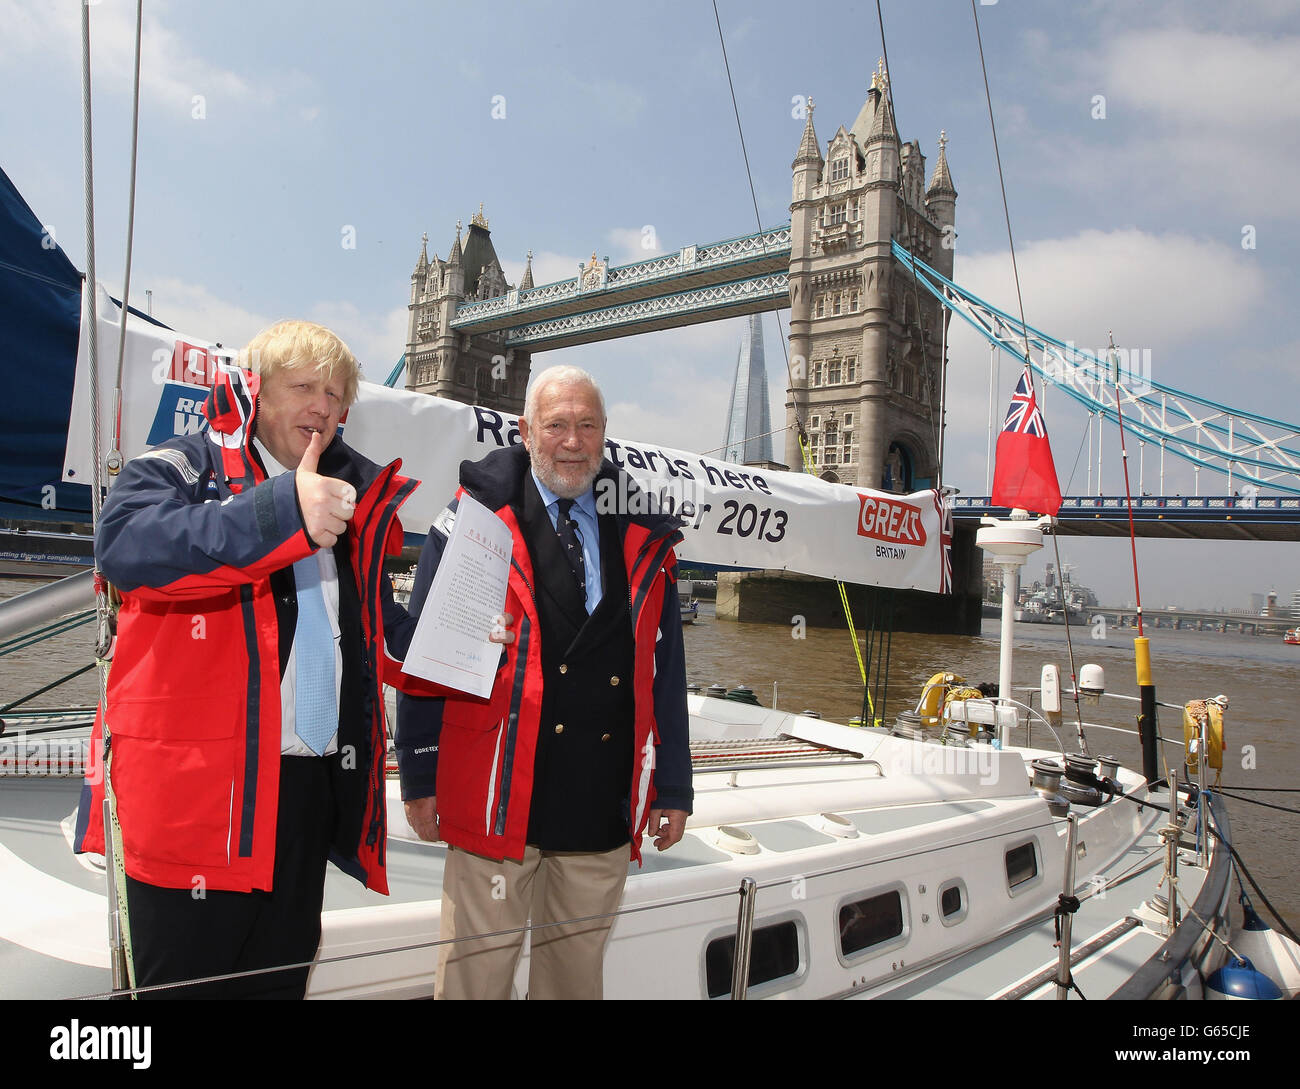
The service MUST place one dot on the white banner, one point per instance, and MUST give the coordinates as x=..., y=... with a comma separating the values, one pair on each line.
x=735, y=516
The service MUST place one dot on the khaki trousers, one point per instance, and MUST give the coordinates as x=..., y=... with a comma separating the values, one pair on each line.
x=482, y=896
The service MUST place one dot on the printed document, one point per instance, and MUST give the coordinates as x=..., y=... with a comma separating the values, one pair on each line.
x=450, y=646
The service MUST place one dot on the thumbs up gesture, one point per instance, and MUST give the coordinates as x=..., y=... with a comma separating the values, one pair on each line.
x=327, y=504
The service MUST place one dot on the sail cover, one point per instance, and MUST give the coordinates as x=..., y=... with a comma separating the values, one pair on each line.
x=40, y=314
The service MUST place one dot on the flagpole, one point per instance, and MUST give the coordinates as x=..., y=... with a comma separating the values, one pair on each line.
x=1090, y=452
x=988, y=442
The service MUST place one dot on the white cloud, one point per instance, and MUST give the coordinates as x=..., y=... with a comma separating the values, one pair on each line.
x=1203, y=115
x=632, y=244
x=1212, y=83
x=376, y=339
x=193, y=308
x=171, y=73
x=1165, y=289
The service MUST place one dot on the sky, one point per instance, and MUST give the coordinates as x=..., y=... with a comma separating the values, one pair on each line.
x=291, y=154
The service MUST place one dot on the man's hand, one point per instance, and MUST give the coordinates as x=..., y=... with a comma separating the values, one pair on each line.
x=327, y=504
x=422, y=815
x=501, y=632
x=667, y=826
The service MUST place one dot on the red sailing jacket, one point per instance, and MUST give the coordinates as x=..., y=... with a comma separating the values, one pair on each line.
x=478, y=754
x=190, y=534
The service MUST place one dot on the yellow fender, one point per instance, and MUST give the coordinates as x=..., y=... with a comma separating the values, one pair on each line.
x=1207, y=713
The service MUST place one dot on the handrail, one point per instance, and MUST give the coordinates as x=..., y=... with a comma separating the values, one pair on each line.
x=744, y=940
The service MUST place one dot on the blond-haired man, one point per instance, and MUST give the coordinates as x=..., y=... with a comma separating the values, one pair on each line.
x=244, y=706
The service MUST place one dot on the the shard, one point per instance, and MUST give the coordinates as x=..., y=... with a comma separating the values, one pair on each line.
x=749, y=419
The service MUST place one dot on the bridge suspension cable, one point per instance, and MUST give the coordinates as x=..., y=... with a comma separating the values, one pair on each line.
x=1256, y=450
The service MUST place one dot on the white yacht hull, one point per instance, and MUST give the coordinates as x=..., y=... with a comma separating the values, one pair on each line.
x=824, y=820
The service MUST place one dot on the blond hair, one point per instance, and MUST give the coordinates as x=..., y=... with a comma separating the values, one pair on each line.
x=300, y=345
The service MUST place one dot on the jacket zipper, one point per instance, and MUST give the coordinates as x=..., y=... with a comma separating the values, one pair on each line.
x=512, y=711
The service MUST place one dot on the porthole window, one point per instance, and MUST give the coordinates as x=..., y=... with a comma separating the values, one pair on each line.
x=871, y=921
x=1022, y=865
x=774, y=954
x=953, y=904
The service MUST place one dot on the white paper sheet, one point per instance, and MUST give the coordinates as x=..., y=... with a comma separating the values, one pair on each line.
x=451, y=646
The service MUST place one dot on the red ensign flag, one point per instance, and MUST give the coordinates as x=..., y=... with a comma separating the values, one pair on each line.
x=1024, y=474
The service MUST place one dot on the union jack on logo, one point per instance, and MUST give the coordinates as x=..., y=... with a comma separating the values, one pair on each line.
x=1023, y=416
x=945, y=542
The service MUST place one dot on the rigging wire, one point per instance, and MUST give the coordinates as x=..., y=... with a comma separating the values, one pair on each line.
x=753, y=196
x=1128, y=490
x=115, y=873
x=1234, y=797
x=1020, y=302
x=1212, y=828
x=115, y=454
x=1069, y=643
x=799, y=425
x=1077, y=454
x=888, y=94
x=91, y=317
x=1212, y=825
x=1006, y=208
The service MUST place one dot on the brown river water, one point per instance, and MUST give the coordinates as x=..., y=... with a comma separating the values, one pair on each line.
x=819, y=672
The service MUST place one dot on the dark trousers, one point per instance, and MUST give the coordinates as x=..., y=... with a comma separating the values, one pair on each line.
x=179, y=935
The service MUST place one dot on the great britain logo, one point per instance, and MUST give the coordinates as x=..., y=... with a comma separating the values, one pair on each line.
x=890, y=520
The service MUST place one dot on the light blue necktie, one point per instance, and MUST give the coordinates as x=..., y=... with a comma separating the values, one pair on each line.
x=316, y=713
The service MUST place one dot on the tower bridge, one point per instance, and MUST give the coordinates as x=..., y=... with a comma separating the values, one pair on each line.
x=865, y=268
x=865, y=345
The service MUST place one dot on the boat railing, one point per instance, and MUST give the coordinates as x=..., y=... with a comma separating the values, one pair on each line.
x=1069, y=694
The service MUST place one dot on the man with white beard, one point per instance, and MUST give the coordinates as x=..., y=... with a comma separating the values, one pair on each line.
x=544, y=791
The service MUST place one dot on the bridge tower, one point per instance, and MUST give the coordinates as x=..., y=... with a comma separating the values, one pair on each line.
x=865, y=344
x=472, y=368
